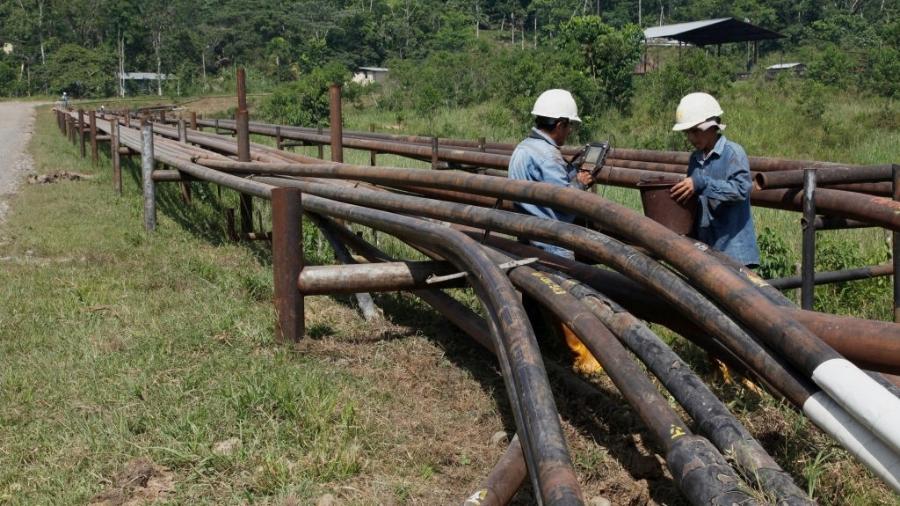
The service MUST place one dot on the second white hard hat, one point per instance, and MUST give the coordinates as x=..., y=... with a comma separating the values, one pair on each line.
x=556, y=104
x=695, y=109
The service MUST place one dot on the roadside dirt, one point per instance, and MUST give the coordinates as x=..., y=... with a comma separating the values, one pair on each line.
x=16, y=126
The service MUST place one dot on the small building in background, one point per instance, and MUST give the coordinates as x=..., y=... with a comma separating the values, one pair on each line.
x=7, y=48
x=795, y=68
x=368, y=75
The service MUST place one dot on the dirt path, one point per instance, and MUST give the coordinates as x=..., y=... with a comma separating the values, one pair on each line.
x=16, y=126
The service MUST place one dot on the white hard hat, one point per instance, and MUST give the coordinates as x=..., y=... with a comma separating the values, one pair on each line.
x=556, y=104
x=695, y=110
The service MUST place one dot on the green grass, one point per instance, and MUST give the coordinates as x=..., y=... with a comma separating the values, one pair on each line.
x=119, y=344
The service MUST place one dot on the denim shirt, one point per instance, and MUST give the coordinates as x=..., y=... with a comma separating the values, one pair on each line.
x=538, y=158
x=722, y=184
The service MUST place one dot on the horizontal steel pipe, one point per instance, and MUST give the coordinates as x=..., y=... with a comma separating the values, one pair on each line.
x=838, y=223
x=874, y=345
x=677, y=159
x=824, y=278
x=380, y=277
x=163, y=176
x=824, y=176
x=880, y=211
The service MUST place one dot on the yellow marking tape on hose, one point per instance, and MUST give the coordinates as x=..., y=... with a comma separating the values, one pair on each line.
x=558, y=290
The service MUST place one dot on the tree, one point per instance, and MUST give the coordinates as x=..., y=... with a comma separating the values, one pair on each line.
x=80, y=71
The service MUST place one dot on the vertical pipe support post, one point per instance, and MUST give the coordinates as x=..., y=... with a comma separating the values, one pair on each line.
x=287, y=261
x=808, y=262
x=193, y=120
x=373, y=155
x=242, y=130
x=336, y=126
x=81, y=138
x=184, y=185
x=321, y=150
x=116, y=157
x=92, y=121
x=147, y=164
x=895, y=239
x=434, y=153
x=278, y=139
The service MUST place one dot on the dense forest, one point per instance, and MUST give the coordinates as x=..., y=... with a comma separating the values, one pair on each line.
x=50, y=46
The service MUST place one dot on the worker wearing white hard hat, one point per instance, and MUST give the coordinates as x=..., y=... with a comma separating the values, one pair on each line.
x=538, y=159
x=719, y=175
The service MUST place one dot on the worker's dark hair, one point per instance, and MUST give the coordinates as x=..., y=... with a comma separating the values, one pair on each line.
x=547, y=124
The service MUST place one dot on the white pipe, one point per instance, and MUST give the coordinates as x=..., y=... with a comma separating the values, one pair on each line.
x=861, y=396
x=855, y=438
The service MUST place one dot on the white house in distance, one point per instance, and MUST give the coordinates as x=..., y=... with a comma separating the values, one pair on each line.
x=7, y=48
x=368, y=75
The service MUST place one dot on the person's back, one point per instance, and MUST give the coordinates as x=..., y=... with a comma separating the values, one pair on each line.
x=538, y=159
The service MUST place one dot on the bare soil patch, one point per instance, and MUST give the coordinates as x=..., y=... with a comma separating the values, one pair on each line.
x=141, y=482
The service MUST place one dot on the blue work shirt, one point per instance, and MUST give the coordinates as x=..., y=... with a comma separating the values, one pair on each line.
x=722, y=184
x=538, y=158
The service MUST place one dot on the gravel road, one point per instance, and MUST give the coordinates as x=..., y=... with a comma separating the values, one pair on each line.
x=16, y=125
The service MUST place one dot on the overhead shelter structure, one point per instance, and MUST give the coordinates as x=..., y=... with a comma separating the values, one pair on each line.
x=143, y=81
x=710, y=32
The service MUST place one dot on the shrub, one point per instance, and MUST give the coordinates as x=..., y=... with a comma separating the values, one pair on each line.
x=775, y=256
x=831, y=67
x=695, y=70
x=443, y=79
x=305, y=101
x=881, y=71
x=7, y=79
x=811, y=101
x=865, y=298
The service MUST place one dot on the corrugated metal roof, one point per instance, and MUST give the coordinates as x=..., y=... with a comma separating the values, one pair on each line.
x=374, y=69
x=779, y=66
x=711, y=31
x=666, y=31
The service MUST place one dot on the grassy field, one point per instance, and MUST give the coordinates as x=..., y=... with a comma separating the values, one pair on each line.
x=141, y=367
